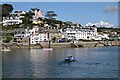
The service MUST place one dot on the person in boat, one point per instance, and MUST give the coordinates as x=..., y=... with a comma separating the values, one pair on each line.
x=70, y=58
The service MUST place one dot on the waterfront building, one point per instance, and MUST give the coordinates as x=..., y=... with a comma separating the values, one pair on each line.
x=84, y=33
x=20, y=37
x=54, y=34
x=13, y=18
x=31, y=36
x=105, y=36
x=11, y=21
x=36, y=36
x=114, y=37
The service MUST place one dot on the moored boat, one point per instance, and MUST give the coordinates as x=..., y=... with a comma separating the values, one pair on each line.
x=5, y=49
x=48, y=49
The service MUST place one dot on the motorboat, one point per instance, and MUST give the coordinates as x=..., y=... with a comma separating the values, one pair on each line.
x=69, y=59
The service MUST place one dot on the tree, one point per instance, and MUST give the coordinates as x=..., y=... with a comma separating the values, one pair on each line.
x=6, y=9
x=27, y=19
x=8, y=39
x=50, y=14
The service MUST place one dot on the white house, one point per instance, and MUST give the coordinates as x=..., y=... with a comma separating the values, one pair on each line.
x=34, y=39
x=85, y=33
x=11, y=22
x=14, y=18
x=35, y=35
x=18, y=13
x=105, y=36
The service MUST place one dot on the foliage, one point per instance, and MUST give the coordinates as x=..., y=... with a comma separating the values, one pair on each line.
x=10, y=27
x=8, y=39
x=108, y=30
x=6, y=9
x=50, y=14
x=27, y=18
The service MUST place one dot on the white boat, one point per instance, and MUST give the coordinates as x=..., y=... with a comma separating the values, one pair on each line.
x=50, y=49
x=69, y=59
x=5, y=49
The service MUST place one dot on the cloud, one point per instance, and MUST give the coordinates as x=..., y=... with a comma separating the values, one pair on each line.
x=111, y=9
x=100, y=24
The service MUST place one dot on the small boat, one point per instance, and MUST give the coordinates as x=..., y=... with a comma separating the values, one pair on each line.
x=69, y=59
x=48, y=49
x=5, y=49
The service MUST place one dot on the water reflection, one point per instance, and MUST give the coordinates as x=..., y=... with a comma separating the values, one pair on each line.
x=37, y=63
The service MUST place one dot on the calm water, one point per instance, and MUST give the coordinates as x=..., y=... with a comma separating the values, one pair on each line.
x=100, y=62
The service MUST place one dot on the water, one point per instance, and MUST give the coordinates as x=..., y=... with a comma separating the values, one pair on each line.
x=99, y=62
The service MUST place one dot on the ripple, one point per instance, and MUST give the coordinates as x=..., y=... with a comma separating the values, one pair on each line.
x=93, y=63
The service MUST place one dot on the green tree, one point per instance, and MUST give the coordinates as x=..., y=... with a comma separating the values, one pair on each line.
x=8, y=39
x=50, y=14
x=6, y=9
x=27, y=20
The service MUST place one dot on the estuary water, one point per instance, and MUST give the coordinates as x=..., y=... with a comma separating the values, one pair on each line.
x=95, y=62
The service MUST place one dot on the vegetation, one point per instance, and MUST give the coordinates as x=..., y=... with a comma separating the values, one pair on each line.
x=50, y=20
x=27, y=19
x=50, y=14
x=6, y=9
x=8, y=37
x=10, y=27
x=108, y=30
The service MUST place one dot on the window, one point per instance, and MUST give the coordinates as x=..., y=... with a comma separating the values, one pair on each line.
x=15, y=32
x=18, y=31
x=22, y=32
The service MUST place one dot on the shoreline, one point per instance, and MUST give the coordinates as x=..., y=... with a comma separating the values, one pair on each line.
x=66, y=45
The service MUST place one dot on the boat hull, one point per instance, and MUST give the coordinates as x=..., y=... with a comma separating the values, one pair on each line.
x=5, y=49
x=50, y=49
x=69, y=60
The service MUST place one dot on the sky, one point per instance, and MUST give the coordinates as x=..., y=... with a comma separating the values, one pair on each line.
x=77, y=12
